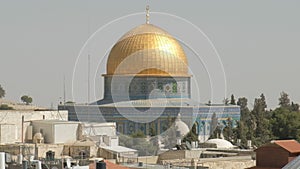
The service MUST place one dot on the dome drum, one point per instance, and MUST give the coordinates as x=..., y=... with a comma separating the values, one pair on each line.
x=138, y=87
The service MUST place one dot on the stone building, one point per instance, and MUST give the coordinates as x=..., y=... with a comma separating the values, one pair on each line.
x=14, y=123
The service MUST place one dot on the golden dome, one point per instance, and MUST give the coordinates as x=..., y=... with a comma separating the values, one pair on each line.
x=147, y=50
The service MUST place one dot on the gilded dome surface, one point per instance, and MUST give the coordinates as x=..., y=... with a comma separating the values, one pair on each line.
x=147, y=50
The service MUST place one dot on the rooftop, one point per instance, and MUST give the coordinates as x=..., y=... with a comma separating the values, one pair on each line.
x=291, y=146
x=119, y=149
x=166, y=102
x=221, y=143
x=55, y=121
x=293, y=164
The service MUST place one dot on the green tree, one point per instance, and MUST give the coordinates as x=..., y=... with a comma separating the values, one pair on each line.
x=5, y=107
x=138, y=134
x=245, y=112
x=247, y=122
x=26, y=99
x=226, y=101
x=213, y=123
x=294, y=106
x=228, y=130
x=152, y=129
x=285, y=124
x=2, y=92
x=240, y=132
x=262, y=130
x=216, y=133
x=232, y=100
x=284, y=100
x=192, y=135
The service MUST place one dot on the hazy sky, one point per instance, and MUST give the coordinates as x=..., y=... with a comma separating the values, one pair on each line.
x=258, y=43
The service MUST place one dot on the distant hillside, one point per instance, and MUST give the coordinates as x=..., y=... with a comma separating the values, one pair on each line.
x=19, y=106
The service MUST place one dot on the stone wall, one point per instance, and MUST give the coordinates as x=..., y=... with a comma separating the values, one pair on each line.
x=170, y=155
x=75, y=150
x=7, y=133
x=229, y=164
x=41, y=150
x=180, y=154
x=236, y=162
x=15, y=117
x=15, y=149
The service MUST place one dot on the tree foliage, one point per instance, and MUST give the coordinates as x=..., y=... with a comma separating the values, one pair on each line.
x=262, y=130
x=241, y=132
x=152, y=129
x=226, y=101
x=261, y=125
x=247, y=123
x=232, y=100
x=26, y=99
x=216, y=133
x=192, y=135
x=285, y=124
x=294, y=106
x=284, y=100
x=213, y=124
x=228, y=130
x=2, y=92
x=5, y=107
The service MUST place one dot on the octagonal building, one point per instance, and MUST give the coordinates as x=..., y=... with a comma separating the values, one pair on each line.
x=146, y=83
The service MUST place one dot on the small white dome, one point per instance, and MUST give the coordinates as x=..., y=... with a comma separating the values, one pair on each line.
x=221, y=143
x=180, y=126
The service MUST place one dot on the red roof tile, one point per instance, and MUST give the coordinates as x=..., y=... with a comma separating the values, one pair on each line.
x=291, y=146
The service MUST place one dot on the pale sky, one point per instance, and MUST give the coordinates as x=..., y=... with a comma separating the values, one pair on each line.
x=257, y=41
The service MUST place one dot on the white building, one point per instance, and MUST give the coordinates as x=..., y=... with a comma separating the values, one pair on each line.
x=14, y=123
x=56, y=131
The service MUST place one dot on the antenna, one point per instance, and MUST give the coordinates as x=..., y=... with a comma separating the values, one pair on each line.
x=88, y=89
x=89, y=57
x=64, y=89
x=147, y=14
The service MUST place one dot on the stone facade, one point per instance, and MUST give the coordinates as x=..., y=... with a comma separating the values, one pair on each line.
x=15, y=117
x=7, y=133
x=117, y=87
x=200, y=115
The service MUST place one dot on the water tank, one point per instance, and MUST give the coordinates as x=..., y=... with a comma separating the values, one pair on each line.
x=7, y=158
x=68, y=161
x=25, y=164
x=19, y=159
x=2, y=160
x=193, y=144
x=249, y=143
x=38, y=165
x=101, y=165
